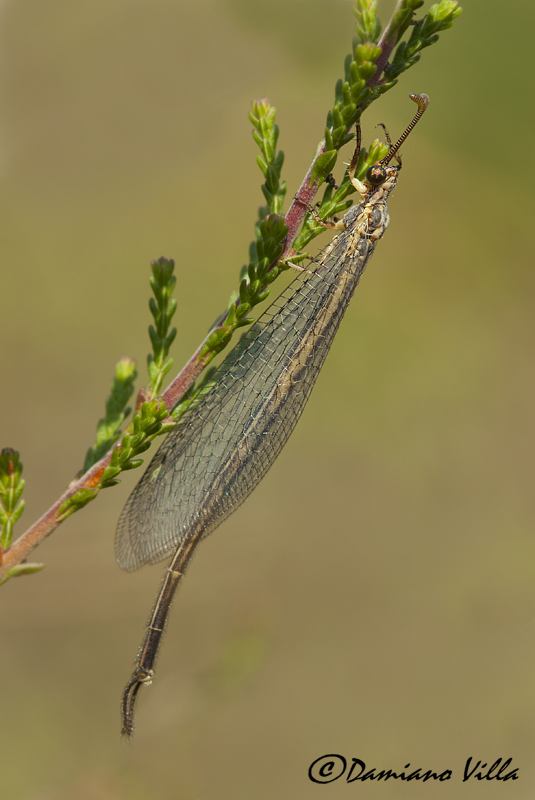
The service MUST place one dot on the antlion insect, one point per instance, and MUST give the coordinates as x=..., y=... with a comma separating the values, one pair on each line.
x=213, y=460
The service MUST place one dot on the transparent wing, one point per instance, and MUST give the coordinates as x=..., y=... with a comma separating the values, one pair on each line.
x=208, y=465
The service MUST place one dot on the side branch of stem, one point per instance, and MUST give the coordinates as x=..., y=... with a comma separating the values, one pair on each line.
x=44, y=526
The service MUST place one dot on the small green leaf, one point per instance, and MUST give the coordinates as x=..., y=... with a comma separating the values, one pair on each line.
x=134, y=464
x=213, y=341
x=7, y=533
x=108, y=428
x=22, y=569
x=366, y=55
x=18, y=511
x=262, y=164
x=162, y=307
x=108, y=475
x=78, y=500
x=323, y=165
x=368, y=26
x=11, y=488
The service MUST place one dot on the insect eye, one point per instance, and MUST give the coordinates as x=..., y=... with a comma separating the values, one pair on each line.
x=375, y=175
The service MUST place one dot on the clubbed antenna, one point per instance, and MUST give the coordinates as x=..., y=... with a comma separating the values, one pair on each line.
x=422, y=101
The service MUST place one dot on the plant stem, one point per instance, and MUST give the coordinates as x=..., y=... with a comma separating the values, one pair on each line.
x=195, y=365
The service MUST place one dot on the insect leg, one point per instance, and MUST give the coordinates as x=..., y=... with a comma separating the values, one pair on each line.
x=361, y=188
x=389, y=141
x=338, y=226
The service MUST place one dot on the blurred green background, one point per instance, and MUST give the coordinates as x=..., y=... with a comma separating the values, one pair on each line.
x=376, y=595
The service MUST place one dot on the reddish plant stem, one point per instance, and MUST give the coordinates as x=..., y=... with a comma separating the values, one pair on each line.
x=306, y=193
x=387, y=42
x=46, y=524
x=299, y=206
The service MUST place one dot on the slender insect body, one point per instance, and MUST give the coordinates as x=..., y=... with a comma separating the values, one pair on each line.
x=210, y=464
x=224, y=446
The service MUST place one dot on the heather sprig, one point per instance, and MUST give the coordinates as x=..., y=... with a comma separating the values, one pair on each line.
x=377, y=59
